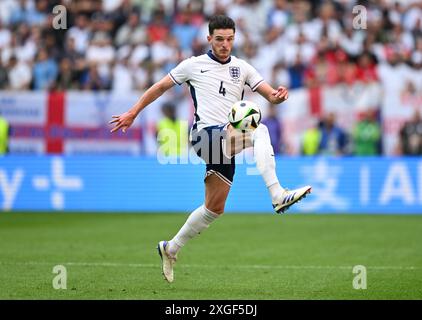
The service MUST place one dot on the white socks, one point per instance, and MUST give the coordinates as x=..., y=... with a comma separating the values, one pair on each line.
x=198, y=220
x=265, y=162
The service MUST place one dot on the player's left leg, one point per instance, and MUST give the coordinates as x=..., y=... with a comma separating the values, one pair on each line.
x=260, y=140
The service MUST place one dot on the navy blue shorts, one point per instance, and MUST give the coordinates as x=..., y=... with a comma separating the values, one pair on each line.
x=208, y=144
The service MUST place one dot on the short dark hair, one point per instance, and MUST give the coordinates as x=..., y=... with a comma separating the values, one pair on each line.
x=221, y=22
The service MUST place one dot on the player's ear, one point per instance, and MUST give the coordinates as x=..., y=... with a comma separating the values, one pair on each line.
x=209, y=38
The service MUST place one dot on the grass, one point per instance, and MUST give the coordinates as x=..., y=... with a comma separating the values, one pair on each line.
x=241, y=256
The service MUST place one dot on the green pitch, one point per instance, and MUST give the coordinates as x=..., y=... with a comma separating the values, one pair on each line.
x=241, y=256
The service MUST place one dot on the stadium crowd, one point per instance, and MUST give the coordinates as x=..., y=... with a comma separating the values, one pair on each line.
x=125, y=45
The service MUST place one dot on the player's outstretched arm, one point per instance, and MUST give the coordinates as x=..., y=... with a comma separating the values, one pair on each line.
x=275, y=96
x=125, y=120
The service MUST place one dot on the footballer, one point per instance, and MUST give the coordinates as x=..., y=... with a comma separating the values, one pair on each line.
x=217, y=81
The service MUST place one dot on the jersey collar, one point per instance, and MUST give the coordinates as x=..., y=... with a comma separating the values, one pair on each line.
x=212, y=56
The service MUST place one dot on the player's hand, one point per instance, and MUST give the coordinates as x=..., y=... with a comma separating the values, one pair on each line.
x=123, y=121
x=280, y=94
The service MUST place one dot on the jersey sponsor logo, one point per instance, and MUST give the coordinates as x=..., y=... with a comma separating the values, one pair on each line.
x=202, y=71
x=234, y=72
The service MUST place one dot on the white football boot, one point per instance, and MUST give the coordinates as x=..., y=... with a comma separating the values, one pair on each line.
x=290, y=197
x=166, y=260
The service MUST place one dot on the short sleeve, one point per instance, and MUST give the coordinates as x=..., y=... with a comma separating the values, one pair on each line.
x=181, y=73
x=253, y=78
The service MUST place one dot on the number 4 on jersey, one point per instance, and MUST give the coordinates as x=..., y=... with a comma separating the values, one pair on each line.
x=222, y=89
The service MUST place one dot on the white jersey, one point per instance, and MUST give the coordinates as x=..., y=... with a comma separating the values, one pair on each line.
x=215, y=86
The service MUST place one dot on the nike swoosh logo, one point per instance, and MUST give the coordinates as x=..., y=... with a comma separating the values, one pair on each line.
x=202, y=71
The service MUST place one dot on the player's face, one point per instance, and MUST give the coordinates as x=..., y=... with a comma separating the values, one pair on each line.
x=221, y=42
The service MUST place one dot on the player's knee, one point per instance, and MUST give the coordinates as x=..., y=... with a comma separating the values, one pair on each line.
x=260, y=131
x=262, y=127
x=216, y=207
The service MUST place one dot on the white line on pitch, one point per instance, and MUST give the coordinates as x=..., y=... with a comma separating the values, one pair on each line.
x=150, y=265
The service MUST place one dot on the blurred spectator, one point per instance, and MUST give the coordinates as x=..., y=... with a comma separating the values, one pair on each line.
x=415, y=73
x=6, y=9
x=249, y=16
x=4, y=81
x=274, y=128
x=20, y=75
x=101, y=53
x=278, y=16
x=45, y=71
x=142, y=78
x=38, y=15
x=23, y=44
x=4, y=136
x=366, y=68
x=195, y=9
x=77, y=61
x=121, y=14
x=412, y=17
x=164, y=56
x=300, y=23
x=312, y=139
x=411, y=136
x=5, y=36
x=81, y=33
x=52, y=47
x=345, y=69
x=100, y=50
x=185, y=31
x=92, y=80
x=333, y=138
x=66, y=77
x=133, y=31
x=393, y=72
x=123, y=81
x=172, y=134
x=301, y=49
x=325, y=24
x=158, y=26
x=70, y=51
x=403, y=40
x=20, y=12
x=280, y=75
x=296, y=73
x=367, y=135
x=323, y=69
x=141, y=53
x=352, y=41
x=102, y=24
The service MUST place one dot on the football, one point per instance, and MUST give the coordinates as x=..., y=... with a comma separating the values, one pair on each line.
x=245, y=115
